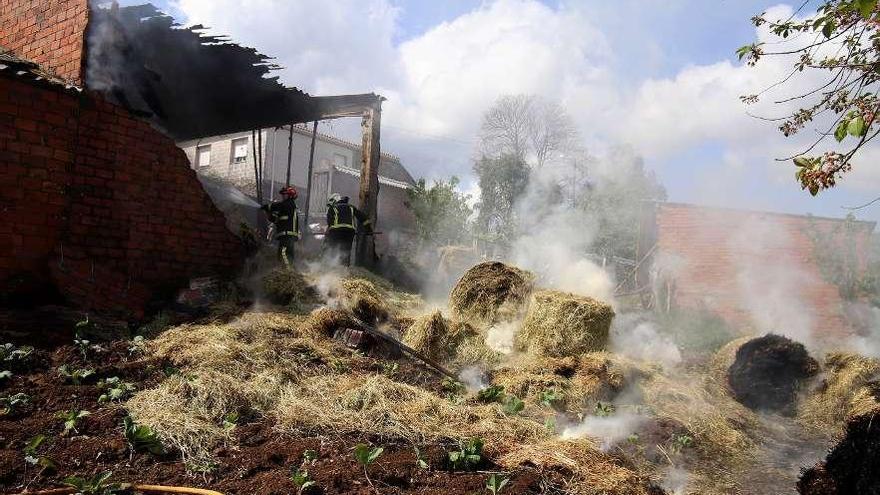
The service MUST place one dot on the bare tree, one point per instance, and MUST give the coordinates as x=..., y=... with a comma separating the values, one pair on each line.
x=526, y=127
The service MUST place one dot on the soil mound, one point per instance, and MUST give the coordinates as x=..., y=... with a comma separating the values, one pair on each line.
x=490, y=292
x=768, y=372
x=851, y=466
x=562, y=324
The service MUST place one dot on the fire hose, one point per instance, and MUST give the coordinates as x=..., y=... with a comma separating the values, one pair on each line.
x=138, y=488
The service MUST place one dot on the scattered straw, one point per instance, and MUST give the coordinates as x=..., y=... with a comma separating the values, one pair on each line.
x=288, y=287
x=562, y=324
x=449, y=341
x=363, y=299
x=849, y=389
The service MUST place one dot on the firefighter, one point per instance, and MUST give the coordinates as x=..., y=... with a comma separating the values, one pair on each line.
x=283, y=215
x=342, y=226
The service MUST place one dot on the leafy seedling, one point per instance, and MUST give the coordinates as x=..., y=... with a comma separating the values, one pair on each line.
x=10, y=403
x=468, y=456
x=115, y=390
x=421, y=460
x=310, y=456
x=366, y=455
x=136, y=345
x=141, y=438
x=81, y=342
x=496, y=483
x=453, y=387
x=96, y=485
x=513, y=405
x=71, y=418
x=603, y=409
x=77, y=376
x=302, y=480
x=680, y=442
x=230, y=420
x=33, y=458
x=551, y=398
x=492, y=393
x=15, y=358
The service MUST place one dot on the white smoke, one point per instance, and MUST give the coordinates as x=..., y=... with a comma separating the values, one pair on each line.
x=609, y=430
x=675, y=480
x=635, y=337
x=472, y=378
x=500, y=337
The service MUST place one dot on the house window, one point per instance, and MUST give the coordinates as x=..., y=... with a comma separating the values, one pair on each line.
x=239, y=150
x=340, y=160
x=203, y=156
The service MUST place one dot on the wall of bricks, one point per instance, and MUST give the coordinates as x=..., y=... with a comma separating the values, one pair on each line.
x=756, y=270
x=48, y=32
x=98, y=204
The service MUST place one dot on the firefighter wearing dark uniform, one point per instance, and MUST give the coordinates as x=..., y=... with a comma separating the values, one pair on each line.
x=342, y=222
x=283, y=215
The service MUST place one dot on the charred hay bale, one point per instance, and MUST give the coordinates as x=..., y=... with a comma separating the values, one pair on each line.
x=490, y=292
x=286, y=287
x=563, y=324
x=768, y=372
x=851, y=466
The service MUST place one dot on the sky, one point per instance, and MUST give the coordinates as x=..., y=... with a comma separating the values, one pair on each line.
x=659, y=76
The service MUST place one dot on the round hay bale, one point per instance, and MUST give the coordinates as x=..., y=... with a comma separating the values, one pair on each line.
x=363, y=299
x=286, y=287
x=851, y=466
x=562, y=324
x=490, y=292
x=768, y=372
x=448, y=341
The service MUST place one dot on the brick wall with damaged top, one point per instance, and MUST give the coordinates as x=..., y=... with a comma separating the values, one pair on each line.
x=48, y=32
x=99, y=205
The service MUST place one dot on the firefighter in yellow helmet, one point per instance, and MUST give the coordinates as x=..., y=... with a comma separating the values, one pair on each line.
x=342, y=226
x=283, y=215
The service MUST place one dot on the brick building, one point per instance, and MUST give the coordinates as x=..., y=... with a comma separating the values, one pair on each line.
x=97, y=208
x=336, y=169
x=757, y=270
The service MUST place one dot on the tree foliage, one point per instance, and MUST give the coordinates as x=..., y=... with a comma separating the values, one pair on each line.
x=441, y=212
x=502, y=181
x=841, y=43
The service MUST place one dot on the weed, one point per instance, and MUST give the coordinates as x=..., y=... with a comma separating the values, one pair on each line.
x=420, y=458
x=230, y=420
x=15, y=358
x=513, y=405
x=310, y=456
x=679, y=442
x=114, y=389
x=71, y=418
x=468, y=456
x=340, y=366
x=496, y=483
x=10, y=403
x=77, y=376
x=136, y=345
x=32, y=457
x=492, y=393
x=170, y=371
x=453, y=387
x=96, y=485
x=390, y=369
x=141, y=437
x=365, y=456
x=81, y=342
x=551, y=398
x=550, y=424
x=203, y=468
x=633, y=438
x=302, y=480
x=603, y=409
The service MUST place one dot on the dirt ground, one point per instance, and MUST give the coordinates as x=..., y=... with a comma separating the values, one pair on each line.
x=260, y=460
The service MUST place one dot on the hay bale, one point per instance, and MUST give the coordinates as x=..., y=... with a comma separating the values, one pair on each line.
x=851, y=466
x=362, y=298
x=448, y=341
x=490, y=292
x=563, y=324
x=849, y=388
x=769, y=371
x=288, y=287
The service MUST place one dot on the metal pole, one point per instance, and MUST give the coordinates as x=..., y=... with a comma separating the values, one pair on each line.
x=289, y=152
x=309, y=180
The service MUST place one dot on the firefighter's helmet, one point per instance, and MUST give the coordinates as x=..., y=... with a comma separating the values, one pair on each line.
x=289, y=191
x=334, y=198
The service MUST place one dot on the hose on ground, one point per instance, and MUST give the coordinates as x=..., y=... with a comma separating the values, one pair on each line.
x=158, y=489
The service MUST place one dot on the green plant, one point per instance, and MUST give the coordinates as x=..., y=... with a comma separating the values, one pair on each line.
x=9, y=403
x=633, y=438
x=453, y=387
x=136, y=345
x=468, y=456
x=310, y=456
x=340, y=366
x=420, y=458
x=114, y=389
x=77, y=376
x=71, y=418
x=513, y=405
x=15, y=358
x=603, y=409
x=492, y=393
x=32, y=457
x=81, y=342
x=141, y=437
x=496, y=483
x=365, y=456
x=390, y=369
x=230, y=420
x=169, y=371
x=96, y=485
x=302, y=480
x=201, y=467
x=679, y=442
x=551, y=398
x=550, y=424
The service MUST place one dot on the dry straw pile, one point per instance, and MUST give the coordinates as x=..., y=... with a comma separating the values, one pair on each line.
x=449, y=341
x=849, y=388
x=490, y=292
x=563, y=324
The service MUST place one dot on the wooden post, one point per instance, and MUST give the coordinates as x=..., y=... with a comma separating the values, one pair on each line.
x=289, y=153
x=257, y=186
x=369, y=189
x=309, y=180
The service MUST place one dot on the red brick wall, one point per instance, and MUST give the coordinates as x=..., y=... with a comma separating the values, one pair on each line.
x=746, y=265
x=48, y=32
x=99, y=204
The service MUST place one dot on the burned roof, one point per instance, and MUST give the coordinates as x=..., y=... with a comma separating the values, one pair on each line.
x=25, y=69
x=191, y=84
